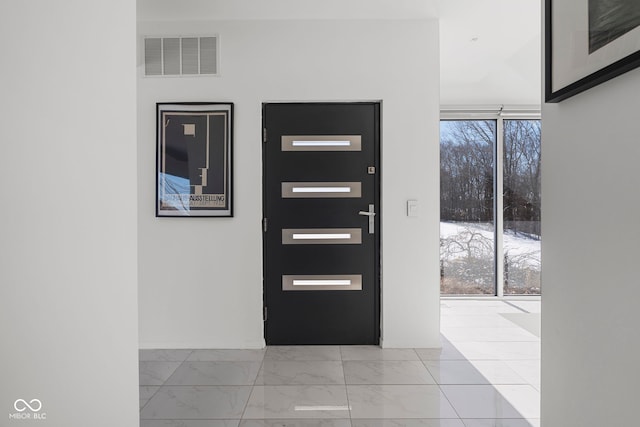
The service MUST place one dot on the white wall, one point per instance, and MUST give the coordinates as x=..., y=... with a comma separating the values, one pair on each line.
x=590, y=316
x=68, y=217
x=201, y=279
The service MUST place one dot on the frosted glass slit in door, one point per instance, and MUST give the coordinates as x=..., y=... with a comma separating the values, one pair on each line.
x=321, y=282
x=321, y=189
x=321, y=236
x=314, y=190
x=312, y=236
x=334, y=282
x=321, y=143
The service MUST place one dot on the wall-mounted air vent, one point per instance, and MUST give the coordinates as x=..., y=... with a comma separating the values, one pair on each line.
x=180, y=56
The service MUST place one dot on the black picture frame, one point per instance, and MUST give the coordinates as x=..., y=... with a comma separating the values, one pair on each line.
x=584, y=49
x=194, y=153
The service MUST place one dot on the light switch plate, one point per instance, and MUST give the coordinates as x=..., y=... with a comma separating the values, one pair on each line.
x=412, y=208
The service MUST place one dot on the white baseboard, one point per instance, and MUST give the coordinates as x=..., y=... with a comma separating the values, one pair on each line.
x=202, y=345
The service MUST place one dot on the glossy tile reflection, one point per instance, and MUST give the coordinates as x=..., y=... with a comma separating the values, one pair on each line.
x=407, y=423
x=215, y=373
x=479, y=401
x=163, y=355
x=146, y=393
x=302, y=352
x=525, y=398
x=314, y=401
x=279, y=372
x=501, y=423
x=189, y=423
x=386, y=372
x=399, y=401
x=485, y=374
x=455, y=372
x=156, y=373
x=197, y=402
x=447, y=351
x=376, y=353
x=297, y=423
x=226, y=355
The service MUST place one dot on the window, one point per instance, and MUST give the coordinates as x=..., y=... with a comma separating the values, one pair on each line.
x=467, y=238
x=521, y=207
x=486, y=240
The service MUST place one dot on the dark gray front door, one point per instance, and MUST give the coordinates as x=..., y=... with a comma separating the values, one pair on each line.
x=322, y=222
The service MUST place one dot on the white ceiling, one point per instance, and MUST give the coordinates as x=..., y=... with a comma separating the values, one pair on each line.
x=489, y=49
x=503, y=64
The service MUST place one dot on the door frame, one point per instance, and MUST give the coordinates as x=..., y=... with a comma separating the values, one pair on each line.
x=377, y=202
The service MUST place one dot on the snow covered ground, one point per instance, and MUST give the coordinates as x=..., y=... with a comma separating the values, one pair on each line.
x=517, y=246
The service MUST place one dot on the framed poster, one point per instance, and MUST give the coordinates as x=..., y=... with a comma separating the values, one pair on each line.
x=194, y=168
x=588, y=42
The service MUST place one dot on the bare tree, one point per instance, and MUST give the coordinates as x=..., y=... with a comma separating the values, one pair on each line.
x=522, y=171
x=466, y=170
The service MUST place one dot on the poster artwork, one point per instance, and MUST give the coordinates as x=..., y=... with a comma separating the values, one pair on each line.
x=193, y=160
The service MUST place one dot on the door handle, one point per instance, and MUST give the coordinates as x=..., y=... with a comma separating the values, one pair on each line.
x=372, y=218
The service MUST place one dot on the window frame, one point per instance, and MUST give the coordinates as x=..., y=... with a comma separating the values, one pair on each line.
x=499, y=114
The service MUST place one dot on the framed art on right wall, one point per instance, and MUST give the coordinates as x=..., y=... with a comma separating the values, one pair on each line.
x=588, y=42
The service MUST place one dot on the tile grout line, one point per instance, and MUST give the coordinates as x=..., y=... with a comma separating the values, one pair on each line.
x=450, y=403
x=253, y=387
x=346, y=388
x=175, y=370
x=163, y=384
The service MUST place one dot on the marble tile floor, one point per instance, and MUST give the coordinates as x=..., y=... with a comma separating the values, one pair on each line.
x=486, y=374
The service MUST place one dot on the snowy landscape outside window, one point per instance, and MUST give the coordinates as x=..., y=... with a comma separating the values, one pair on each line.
x=521, y=207
x=468, y=215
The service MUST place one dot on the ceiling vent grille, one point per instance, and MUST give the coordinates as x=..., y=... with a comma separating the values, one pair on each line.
x=181, y=56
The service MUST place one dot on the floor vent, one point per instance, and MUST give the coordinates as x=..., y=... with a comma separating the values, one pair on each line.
x=181, y=56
